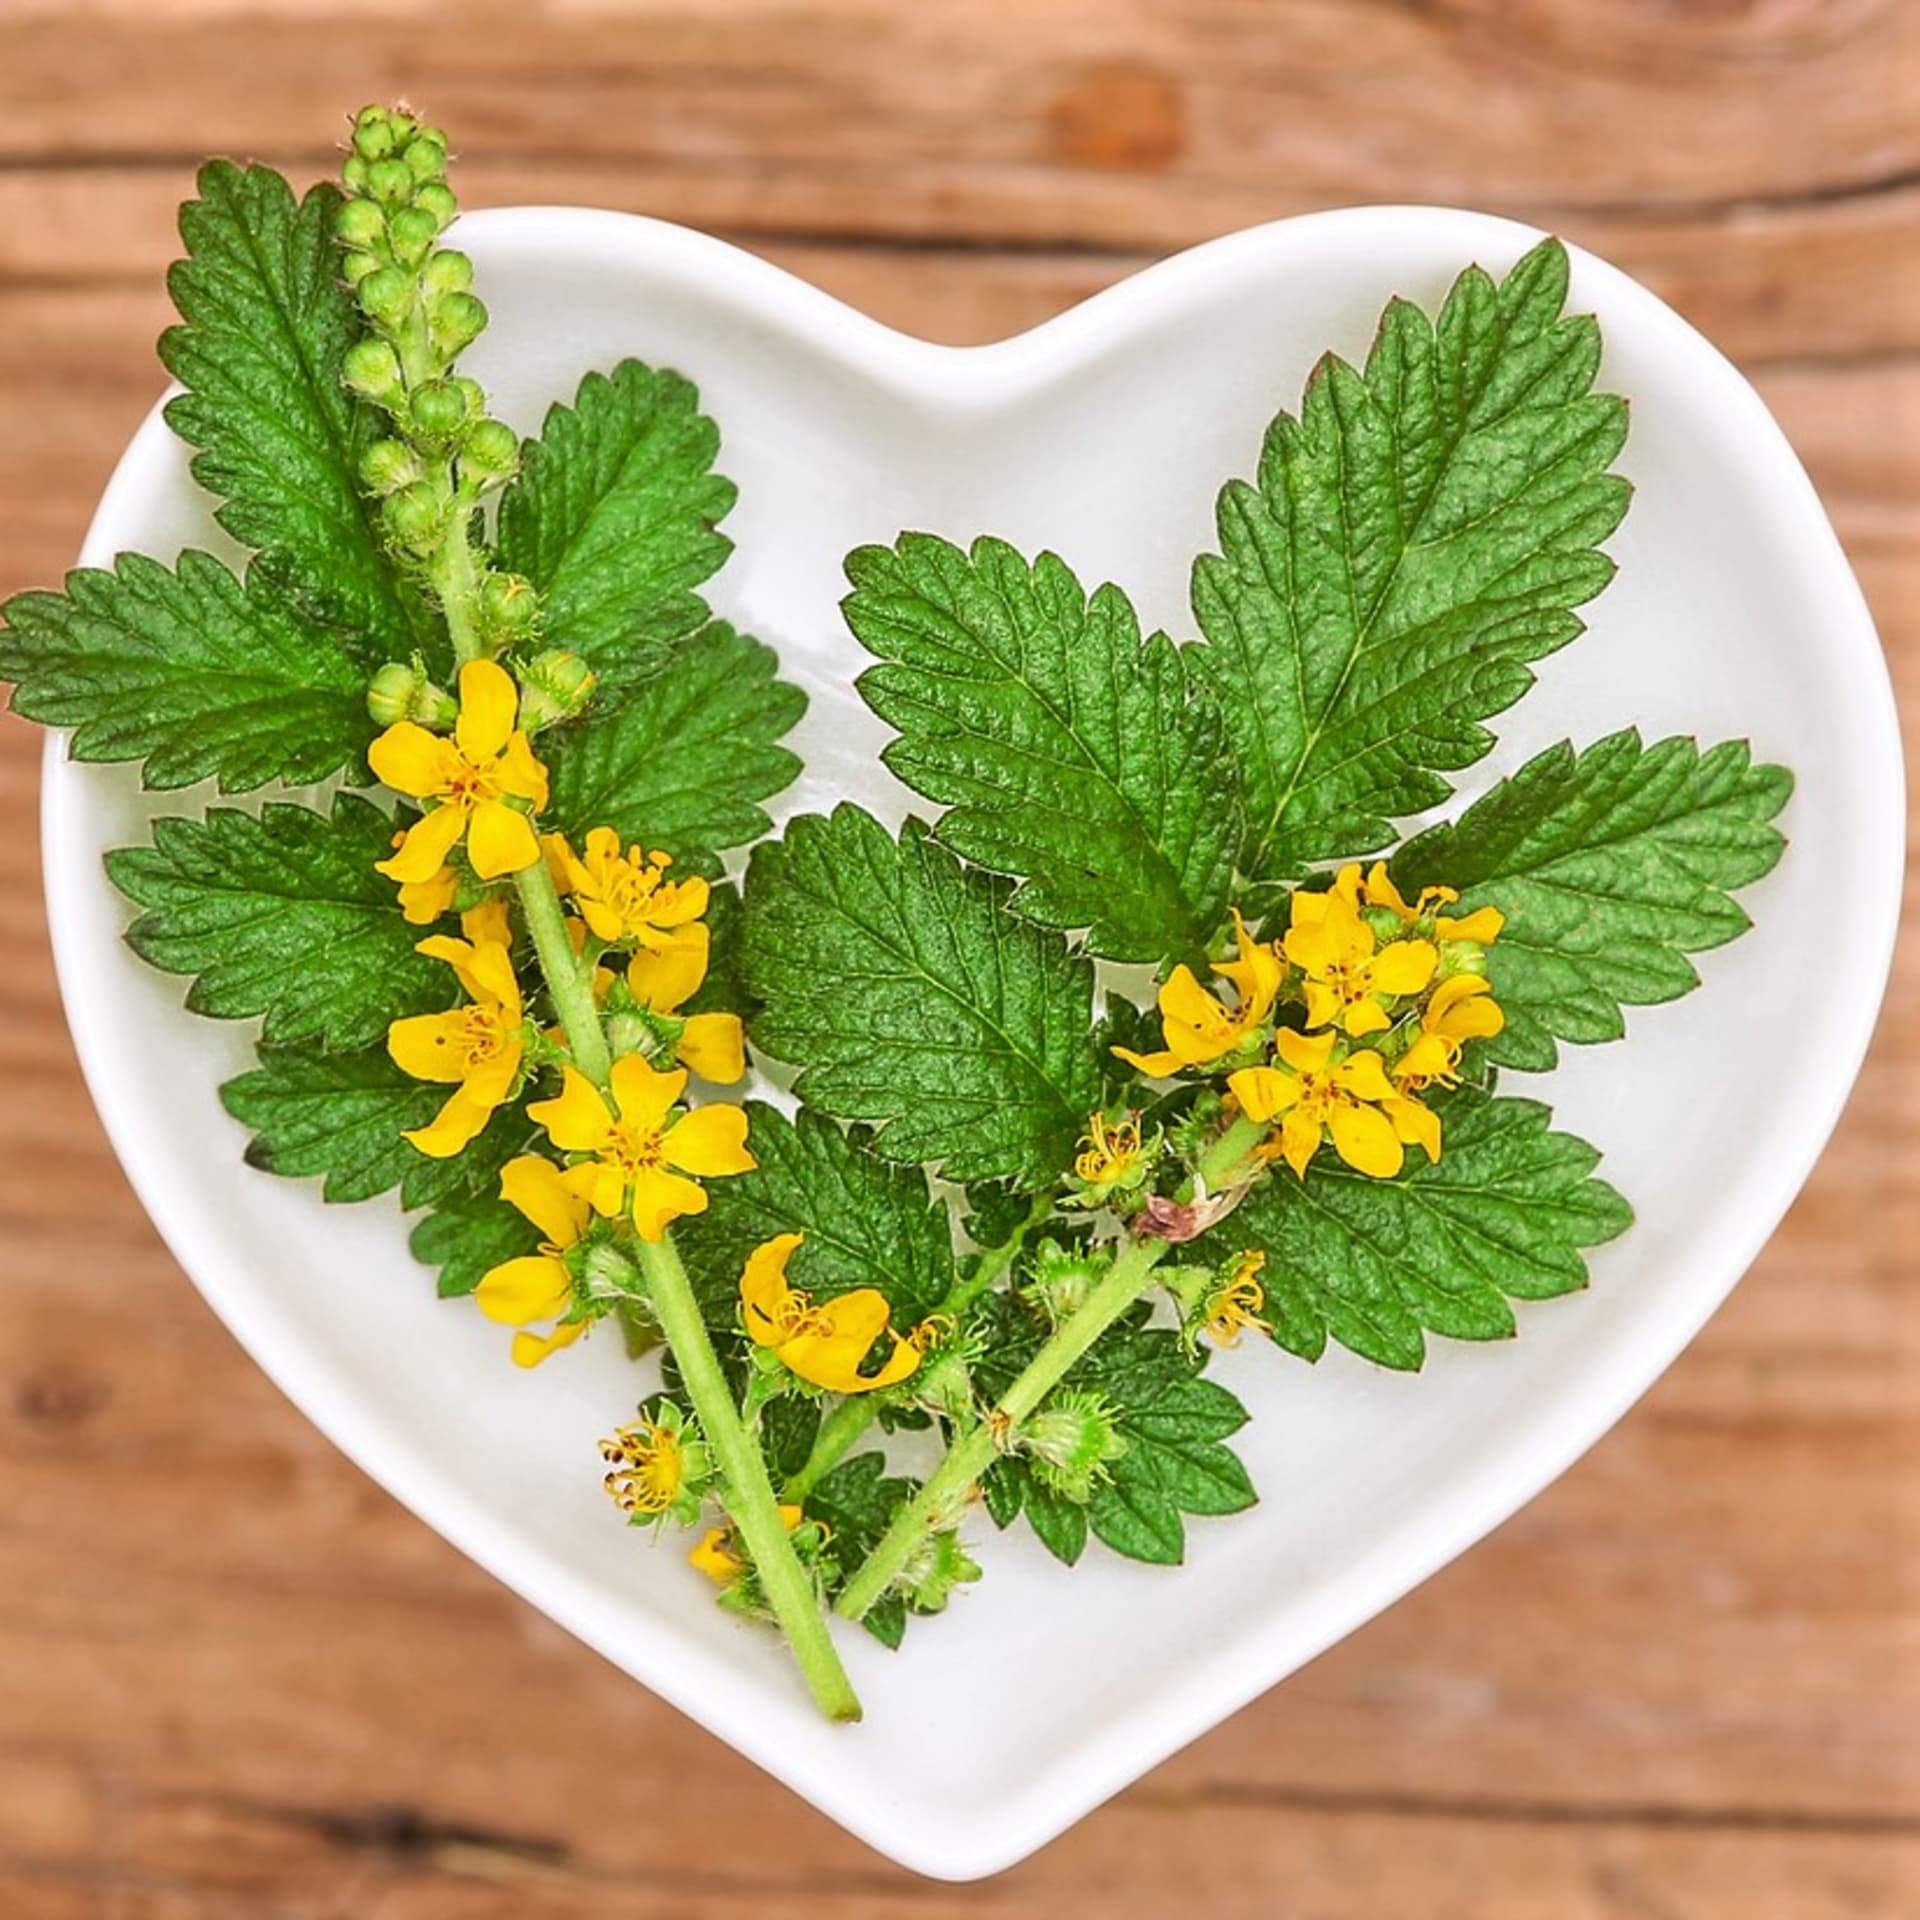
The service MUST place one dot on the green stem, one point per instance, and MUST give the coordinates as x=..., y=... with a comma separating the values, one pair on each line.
x=750, y=1499
x=844, y=1426
x=569, y=975
x=971, y=1455
x=457, y=583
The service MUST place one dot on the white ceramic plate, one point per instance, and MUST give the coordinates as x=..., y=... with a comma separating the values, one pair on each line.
x=1103, y=434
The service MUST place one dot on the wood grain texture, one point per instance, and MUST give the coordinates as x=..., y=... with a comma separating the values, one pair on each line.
x=238, y=1683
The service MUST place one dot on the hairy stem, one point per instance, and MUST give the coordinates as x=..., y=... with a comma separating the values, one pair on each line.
x=457, y=584
x=750, y=1497
x=844, y=1426
x=971, y=1455
x=569, y=977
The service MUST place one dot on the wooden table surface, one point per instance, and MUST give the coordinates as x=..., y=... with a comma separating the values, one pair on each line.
x=238, y=1682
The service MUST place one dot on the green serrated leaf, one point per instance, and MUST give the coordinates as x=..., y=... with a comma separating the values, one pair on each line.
x=1611, y=866
x=614, y=518
x=341, y=1115
x=1413, y=540
x=265, y=323
x=1378, y=1264
x=916, y=1002
x=467, y=1238
x=682, y=760
x=283, y=916
x=867, y=1223
x=1070, y=754
x=192, y=671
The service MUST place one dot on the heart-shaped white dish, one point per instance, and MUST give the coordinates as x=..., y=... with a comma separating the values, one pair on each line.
x=1105, y=435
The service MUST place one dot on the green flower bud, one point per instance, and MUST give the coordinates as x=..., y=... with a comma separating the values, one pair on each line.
x=372, y=134
x=1071, y=1443
x=426, y=154
x=938, y=1565
x=491, y=451
x=357, y=266
x=454, y=321
x=607, y=1273
x=437, y=198
x=1062, y=1279
x=353, y=171
x=387, y=466
x=387, y=295
x=390, y=182
x=1461, y=956
x=447, y=272
x=554, y=686
x=415, y=516
x=414, y=232
x=508, y=604
x=390, y=693
x=359, y=224
x=438, y=409
x=372, y=368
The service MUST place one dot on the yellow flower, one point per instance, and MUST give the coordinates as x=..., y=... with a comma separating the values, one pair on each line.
x=477, y=1046
x=662, y=977
x=641, y=1158
x=1458, y=1010
x=1232, y=1309
x=1481, y=926
x=422, y=902
x=1346, y=979
x=625, y=896
x=474, y=777
x=1199, y=1028
x=824, y=1345
x=537, y=1286
x=1314, y=1097
x=1109, y=1156
x=648, y=1467
x=717, y=1557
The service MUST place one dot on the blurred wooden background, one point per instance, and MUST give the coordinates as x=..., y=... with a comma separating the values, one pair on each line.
x=238, y=1683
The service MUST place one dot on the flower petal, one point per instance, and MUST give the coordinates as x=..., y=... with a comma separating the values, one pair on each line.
x=1305, y=1053
x=1366, y=1015
x=643, y=1095
x=1364, y=1138
x=578, y=1120
x=660, y=1198
x=535, y=1287
x=502, y=839
x=423, y=853
x=709, y=1141
x=430, y=1046
x=422, y=902
x=1381, y=892
x=538, y=1189
x=763, y=1287
x=1184, y=1001
x=1300, y=1139
x=1482, y=925
x=714, y=1046
x=1156, y=1066
x=491, y=921
x=664, y=974
x=522, y=774
x=1364, y=1075
x=529, y=1349
x=461, y=1121
x=1417, y=1125
x=410, y=760
x=488, y=703
x=1404, y=967
x=1263, y=1092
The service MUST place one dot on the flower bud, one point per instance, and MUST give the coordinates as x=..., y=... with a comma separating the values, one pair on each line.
x=554, y=686
x=436, y=198
x=353, y=171
x=608, y=1274
x=414, y=517
x=491, y=451
x=447, y=272
x=359, y=224
x=1062, y=1279
x=454, y=321
x=387, y=466
x=509, y=604
x=1071, y=1442
x=414, y=231
x=1462, y=956
x=426, y=154
x=390, y=693
x=938, y=1565
x=438, y=409
x=357, y=266
x=372, y=134
x=372, y=368
x=386, y=295
x=390, y=182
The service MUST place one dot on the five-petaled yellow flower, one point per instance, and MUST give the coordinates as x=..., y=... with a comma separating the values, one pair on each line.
x=662, y=978
x=625, y=896
x=422, y=902
x=537, y=1286
x=824, y=1345
x=1458, y=1010
x=641, y=1155
x=1199, y=1028
x=1347, y=980
x=1315, y=1096
x=1482, y=926
x=474, y=778
x=476, y=1047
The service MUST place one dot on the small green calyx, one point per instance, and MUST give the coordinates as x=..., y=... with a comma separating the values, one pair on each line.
x=606, y=1273
x=1072, y=1442
x=554, y=686
x=402, y=691
x=1062, y=1279
x=938, y=1565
